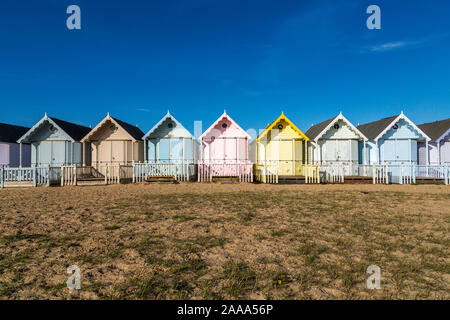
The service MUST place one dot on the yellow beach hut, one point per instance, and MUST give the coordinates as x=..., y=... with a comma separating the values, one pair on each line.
x=279, y=153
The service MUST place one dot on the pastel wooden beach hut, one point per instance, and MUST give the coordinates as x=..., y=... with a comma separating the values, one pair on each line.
x=55, y=142
x=392, y=140
x=114, y=143
x=439, y=146
x=280, y=151
x=336, y=142
x=170, y=151
x=13, y=154
x=224, y=151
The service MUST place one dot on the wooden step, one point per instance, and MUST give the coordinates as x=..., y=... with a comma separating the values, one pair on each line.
x=91, y=182
x=291, y=179
x=225, y=180
x=425, y=180
x=358, y=180
x=159, y=179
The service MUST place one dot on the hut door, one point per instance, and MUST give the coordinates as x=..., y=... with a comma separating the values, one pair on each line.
x=402, y=151
x=286, y=162
x=118, y=152
x=342, y=150
x=44, y=153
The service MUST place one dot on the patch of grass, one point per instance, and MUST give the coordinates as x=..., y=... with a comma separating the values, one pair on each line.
x=113, y=227
x=240, y=279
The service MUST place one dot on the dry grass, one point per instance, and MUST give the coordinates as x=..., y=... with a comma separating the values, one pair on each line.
x=211, y=241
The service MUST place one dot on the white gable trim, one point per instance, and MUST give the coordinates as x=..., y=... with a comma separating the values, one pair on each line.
x=401, y=116
x=100, y=124
x=156, y=126
x=340, y=117
x=224, y=115
x=38, y=125
x=443, y=136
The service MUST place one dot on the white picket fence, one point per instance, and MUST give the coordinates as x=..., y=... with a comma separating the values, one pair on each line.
x=267, y=172
x=179, y=171
x=333, y=173
x=311, y=173
x=217, y=168
x=380, y=174
x=109, y=173
x=26, y=177
x=403, y=173
x=336, y=172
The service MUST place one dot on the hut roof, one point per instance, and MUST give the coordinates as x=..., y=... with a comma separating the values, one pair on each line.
x=73, y=130
x=133, y=131
x=273, y=124
x=224, y=116
x=375, y=130
x=316, y=129
x=315, y=132
x=436, y=130
x=168, y=116
x=11, y=133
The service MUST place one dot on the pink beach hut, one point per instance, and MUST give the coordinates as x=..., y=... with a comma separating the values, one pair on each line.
x=224, y=152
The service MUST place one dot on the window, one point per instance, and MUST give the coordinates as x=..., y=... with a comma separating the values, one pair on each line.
x=224, y=125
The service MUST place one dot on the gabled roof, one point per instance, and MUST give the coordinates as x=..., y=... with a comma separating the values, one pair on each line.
x=10, y=133
x=436, y=130
x=168, y=116
x=73, y=130
x=224, y=115
x=372, y=129
x=375, y=130
x=133, y=131
x=273, y=124
x=316, y=129
x=315, y=132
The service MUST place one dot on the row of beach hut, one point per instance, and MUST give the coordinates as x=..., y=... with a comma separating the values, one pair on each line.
x=389, y=150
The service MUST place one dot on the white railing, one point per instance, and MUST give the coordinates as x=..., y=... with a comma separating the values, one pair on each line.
x=34, y=175
x=311, y=172
x=380, y=174
x=431, y=171
x=116, y=173
x=216, y=168
x=179, y=171
x=334, y=173
x=69, y=175
x=267, y=172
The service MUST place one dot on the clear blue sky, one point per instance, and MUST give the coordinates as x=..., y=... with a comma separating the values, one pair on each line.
x=137, y=59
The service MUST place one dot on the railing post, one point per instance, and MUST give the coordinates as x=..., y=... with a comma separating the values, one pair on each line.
x=48, y=176
x=373, y=174
x=133, y=164
x=387, y=174
x=75, y=174
x=34, y=173
x=1, y=177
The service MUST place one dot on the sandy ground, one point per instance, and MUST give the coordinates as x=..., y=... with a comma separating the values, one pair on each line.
x=212, y=241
